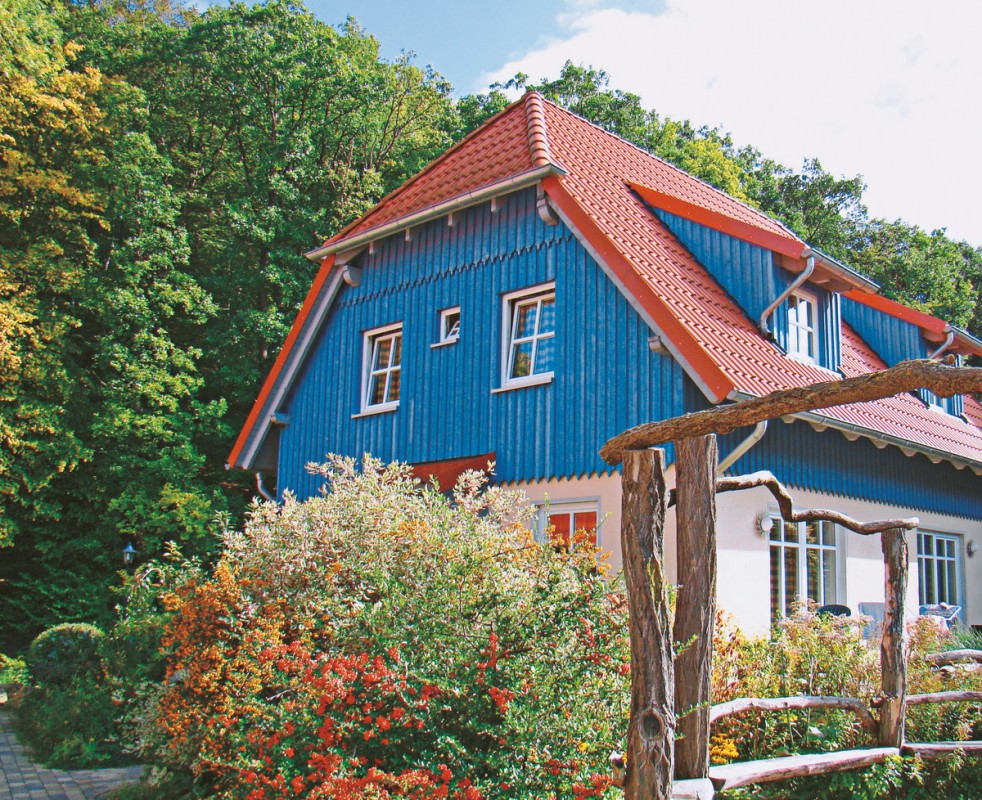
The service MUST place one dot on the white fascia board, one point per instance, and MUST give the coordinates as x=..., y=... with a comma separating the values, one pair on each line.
x=297, y=357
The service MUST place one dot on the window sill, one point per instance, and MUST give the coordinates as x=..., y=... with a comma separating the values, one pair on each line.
x=444, y=343
x=372, y=411
x=521, y=383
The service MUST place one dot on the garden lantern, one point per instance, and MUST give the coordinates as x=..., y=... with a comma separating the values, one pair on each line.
x=129, y=553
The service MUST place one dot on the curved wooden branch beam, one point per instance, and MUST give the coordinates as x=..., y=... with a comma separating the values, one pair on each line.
x=786, y=504
x=745, y=704
x=954, y=657
x=944, y=697
x=907, y=376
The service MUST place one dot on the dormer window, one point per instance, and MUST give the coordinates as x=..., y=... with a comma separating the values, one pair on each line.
x=803, y=326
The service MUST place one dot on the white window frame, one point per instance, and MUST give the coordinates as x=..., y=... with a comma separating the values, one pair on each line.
x=801, y=549
x=579, y=505
x=799, y=332
x=451, y=334
x=954, y=544
x=369, y=341
x=509, y=304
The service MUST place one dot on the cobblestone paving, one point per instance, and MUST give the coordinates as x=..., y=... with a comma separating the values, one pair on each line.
x=21, y=779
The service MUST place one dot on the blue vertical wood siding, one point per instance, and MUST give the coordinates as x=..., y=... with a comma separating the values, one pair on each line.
x=803, y=458
x=892, y=339
x=606, y=377
x=750, y=276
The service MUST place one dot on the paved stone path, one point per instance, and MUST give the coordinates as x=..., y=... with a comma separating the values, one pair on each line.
x=21, y=779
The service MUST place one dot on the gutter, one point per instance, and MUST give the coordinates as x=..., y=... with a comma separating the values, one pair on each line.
x=840, y=270
x=804, y=276
x=947, y=343
x=512, y=184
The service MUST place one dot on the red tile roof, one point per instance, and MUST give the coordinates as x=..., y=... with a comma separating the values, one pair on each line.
x=599, y=181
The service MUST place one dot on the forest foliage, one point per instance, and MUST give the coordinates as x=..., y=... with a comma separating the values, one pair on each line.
x=161, y=173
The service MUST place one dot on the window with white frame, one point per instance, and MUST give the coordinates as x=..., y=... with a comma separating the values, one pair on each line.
x=450, y=325
x=567, y=524
x=804, y=565
x=803, y=326
x=382, y=377
x=939, y=568
x=529, y=328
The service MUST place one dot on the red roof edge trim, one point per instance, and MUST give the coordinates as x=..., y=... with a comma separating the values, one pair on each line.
x=785, y=245
x=712, y=377
x=281, y=359
x=447, y=471
x=900, y=311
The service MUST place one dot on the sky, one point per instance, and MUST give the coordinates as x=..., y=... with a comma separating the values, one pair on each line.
x=888, y=89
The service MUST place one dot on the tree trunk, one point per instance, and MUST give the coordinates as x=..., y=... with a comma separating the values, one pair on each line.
x=893, y=664
x=695, y=604
x=651, y=730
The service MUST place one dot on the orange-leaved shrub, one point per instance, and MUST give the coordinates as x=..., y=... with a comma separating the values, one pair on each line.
x=387, y=639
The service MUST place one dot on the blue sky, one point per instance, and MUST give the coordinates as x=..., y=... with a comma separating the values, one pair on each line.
x=883, y=88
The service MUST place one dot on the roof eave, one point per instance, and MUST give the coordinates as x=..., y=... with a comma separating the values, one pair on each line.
x=933, y=453
x=514, y=183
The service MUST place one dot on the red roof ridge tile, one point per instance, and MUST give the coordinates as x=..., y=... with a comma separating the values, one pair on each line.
x=538, y=131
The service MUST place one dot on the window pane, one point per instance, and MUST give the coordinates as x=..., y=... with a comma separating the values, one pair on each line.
x=395, y=383
x=545, y=355
x=791, y=531
x=547, y=321
x=521, y=360
x=952, y=582
x=560, y=529
x=397, y=352
x=831, y=593
x=586, y=522
x=382, y=349
x=811, y=533
x=376, y=389
x=525, y=320
x=828, y=534
x=776, y=606
x=814, y=575
x=790, y=578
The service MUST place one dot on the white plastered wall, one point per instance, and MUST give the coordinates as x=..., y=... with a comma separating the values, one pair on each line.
x=743, y=586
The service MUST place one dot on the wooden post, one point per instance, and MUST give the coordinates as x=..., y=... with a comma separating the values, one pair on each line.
x=695, y=603
x=893, y=662
x=651, y=730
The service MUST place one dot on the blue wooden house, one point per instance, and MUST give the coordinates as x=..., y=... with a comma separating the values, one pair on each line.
x=545, y=285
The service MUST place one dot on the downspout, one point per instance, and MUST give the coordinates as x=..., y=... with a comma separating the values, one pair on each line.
x=947, y=343
x=742, y=448
x=262, y=489
x=804, y=276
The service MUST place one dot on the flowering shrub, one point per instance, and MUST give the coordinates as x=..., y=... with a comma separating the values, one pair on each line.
x=388, y=640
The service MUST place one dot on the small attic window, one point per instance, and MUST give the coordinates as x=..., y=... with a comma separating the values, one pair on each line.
x=803, y=326
x=450, y=325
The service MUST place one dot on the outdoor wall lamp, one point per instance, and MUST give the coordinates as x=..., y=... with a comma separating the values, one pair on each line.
x=971, y=547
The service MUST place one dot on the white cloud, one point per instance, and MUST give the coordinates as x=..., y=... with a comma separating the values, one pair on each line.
x=885, y=88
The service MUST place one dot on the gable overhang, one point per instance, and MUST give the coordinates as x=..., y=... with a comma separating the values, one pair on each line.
x=523, y=180
x=957, y=340
x=261, y=419
x=677, y=339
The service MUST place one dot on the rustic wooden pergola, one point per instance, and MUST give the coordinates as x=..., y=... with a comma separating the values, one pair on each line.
x=654, y=757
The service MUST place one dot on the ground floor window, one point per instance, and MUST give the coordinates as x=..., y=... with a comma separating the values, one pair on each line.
x=939, y=568
x=568, y=523
x=804, y=565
